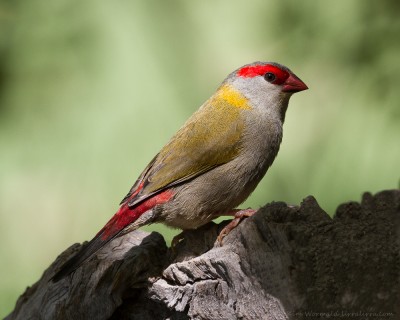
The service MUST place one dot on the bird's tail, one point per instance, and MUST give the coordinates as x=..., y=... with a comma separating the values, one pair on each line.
x=72, y=264
x=110, y=231
x=125, y=220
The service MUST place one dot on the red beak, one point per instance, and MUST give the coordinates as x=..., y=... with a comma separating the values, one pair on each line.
x=293, y=84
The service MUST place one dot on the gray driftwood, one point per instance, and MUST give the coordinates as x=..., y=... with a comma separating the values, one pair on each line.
x=285, y=262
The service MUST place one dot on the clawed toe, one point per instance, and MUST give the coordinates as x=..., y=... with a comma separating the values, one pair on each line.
x=238, y=216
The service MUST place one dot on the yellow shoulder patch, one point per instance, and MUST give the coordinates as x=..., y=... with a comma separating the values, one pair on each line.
x=233, y=97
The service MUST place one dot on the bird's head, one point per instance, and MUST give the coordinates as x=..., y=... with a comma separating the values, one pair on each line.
x=266, y=85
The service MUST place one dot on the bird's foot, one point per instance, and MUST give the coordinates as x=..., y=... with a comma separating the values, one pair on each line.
x=238, y=216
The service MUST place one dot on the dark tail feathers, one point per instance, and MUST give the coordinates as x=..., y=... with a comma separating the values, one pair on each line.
x=76, y=261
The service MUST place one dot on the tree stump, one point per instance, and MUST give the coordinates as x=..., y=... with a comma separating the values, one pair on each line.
x=285, y=262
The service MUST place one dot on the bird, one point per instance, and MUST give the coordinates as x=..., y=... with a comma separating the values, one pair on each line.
x=213, y=162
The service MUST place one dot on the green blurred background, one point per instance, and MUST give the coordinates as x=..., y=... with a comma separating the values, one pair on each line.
x=91, y=90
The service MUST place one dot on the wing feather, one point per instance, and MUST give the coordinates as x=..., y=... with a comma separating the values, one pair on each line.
x=210, y=138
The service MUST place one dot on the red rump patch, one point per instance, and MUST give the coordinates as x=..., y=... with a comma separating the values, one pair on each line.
x=261, y=70
x=125, y=215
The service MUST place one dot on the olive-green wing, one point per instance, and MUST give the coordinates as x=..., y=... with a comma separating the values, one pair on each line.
x=210, y=138
x=137, y=183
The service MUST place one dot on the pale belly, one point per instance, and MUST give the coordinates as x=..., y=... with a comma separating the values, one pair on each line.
x=208, y=196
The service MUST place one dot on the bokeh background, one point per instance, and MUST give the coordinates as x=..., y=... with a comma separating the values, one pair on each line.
x=91, y=90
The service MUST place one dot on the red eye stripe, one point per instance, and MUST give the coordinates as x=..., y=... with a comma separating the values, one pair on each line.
x=260, y=70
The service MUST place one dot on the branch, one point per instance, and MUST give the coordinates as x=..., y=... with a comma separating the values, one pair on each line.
x=285, y=262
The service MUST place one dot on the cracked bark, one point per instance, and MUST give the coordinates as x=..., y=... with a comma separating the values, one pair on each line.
x=285, y=262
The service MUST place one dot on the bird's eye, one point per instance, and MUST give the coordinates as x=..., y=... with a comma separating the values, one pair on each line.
x=270, y=77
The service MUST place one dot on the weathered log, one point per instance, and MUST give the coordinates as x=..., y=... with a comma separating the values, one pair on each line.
x=285, y=262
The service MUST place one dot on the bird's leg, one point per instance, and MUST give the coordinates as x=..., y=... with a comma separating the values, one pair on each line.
x=238, y=216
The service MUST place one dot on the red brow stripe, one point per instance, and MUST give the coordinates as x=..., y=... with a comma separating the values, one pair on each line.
x=253, y=71
x=260, y=70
